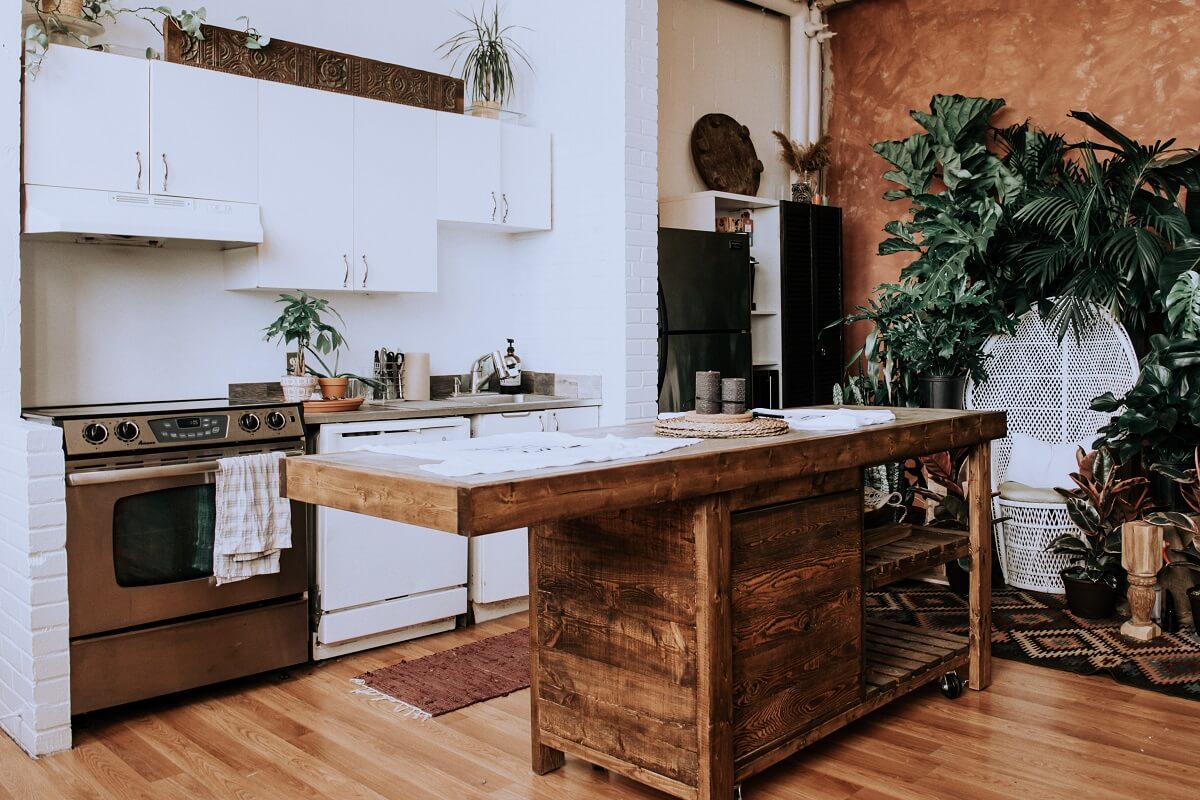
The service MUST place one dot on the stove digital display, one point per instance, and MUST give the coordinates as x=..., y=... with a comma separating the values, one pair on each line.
x=187, y=422
x=182, y=429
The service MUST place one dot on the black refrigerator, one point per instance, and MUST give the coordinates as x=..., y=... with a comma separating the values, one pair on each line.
x=703, y=311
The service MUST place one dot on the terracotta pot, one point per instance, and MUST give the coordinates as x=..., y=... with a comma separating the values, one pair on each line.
x=297, y=388
x=68, y=8
x=488, y=109
x=334, y=388
x=1089, y=600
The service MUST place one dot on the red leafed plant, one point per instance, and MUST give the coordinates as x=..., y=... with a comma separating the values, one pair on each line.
x=943, y=469
x=1101, y=502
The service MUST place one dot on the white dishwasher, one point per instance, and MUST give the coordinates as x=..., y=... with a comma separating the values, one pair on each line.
x=379, y=581
x=499, y=573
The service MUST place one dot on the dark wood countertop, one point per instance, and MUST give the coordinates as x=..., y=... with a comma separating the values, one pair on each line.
x=394, y=487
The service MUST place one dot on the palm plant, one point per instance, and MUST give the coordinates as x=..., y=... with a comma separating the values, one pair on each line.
x=486, y=52
x=1109, y=230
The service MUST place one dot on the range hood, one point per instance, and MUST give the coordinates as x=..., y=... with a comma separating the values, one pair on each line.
x=130, y=218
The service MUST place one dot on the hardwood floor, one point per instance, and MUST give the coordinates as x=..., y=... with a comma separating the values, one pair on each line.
x=1035, y=734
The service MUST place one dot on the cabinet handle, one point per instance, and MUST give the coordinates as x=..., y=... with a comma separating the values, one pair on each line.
x=542, y=422
x=166, y=171
x=554, y=417
x=138, y=156
x=504, y=195
x=493, y=206
x=366, y=271
x=346, y=277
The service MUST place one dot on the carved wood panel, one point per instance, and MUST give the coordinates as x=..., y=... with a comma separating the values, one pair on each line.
x=223, y=50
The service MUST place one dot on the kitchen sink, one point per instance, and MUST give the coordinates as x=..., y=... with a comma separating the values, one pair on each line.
x=496, y=399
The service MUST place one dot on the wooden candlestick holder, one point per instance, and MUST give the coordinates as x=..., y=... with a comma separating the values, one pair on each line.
x=1141, y=556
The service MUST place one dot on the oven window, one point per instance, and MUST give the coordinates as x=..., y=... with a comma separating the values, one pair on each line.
x=164, y=536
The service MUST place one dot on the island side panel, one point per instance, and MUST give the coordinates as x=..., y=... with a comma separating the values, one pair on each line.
x=979, y=478
x=614, y=625
x=797, y=619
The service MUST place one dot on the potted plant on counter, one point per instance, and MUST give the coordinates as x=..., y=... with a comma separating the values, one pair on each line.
x=301, y=323
x=487, y=53
x=1102, y=501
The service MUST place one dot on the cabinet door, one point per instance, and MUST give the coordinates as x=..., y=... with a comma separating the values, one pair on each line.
x=203, y=134
x=468, y=169
x=87, y=121
x=525, y=174
x=395, y=175
x=573, y=419
x=306, y=188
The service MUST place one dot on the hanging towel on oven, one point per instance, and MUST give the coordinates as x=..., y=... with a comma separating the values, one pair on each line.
x=253, y=522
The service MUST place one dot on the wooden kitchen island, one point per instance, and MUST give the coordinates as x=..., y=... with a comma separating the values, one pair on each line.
x=697, y=616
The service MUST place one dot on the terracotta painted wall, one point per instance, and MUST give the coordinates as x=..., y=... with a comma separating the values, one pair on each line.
x=1135, y=63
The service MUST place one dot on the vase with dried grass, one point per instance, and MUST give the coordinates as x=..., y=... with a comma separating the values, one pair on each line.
x=806, y=161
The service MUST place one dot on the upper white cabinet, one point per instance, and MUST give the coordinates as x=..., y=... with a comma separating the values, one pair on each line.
x=306, y=190
x=87, y=122
x=121, y=124
x=345, y=186
x=492, y=174
x=395, y=224
x=203, y=134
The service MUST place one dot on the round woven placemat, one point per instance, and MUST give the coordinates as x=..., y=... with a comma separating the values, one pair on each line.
x=720, y=426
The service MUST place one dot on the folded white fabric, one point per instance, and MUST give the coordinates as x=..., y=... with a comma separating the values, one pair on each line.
x=518, y=452
x=253, y=523
x=824, y=419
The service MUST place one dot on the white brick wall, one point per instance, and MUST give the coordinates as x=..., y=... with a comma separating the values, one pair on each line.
x=35, y=705
x=641, y=209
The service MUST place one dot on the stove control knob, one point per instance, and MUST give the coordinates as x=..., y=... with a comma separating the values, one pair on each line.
x=127, y=431
x=249, y=422
x=95, y=433
x=276, y=420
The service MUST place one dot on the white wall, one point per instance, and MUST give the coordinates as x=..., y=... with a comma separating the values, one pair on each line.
x=718, y=56
x=108, y=324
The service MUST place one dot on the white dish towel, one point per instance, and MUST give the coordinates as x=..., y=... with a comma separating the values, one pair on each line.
x=253, y=523
x=518, y=452
x=824, y=419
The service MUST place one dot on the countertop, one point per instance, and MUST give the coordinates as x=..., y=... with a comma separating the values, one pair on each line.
x=450, y=407
x=394, y=487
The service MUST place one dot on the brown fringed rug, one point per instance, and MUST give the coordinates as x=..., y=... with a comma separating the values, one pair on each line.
x=452, y=679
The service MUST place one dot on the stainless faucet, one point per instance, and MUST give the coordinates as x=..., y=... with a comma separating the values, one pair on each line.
x=479, y=377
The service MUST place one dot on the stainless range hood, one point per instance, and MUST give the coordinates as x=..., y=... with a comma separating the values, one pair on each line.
x=129, y=218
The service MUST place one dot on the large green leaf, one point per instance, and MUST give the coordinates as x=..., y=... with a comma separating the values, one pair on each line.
x=1183, y=306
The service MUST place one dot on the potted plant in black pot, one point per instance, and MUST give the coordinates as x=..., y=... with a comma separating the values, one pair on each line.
x=1182, y=536
x=1102, y=501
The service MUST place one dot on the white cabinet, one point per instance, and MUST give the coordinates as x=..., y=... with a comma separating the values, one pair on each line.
x=468, y=169
x=345, y=186
x=572, y=419
x=525, y=173
x=492, y=174
x=395, y=224
x=87, y=122
x=203, y=133
x=306, y=189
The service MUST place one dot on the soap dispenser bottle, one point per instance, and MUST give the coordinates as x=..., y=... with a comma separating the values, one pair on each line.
x=512, y=383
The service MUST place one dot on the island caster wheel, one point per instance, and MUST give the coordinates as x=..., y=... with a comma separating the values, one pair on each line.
x=951, y=685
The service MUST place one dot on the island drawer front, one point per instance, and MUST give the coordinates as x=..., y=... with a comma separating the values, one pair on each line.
x=797, y=576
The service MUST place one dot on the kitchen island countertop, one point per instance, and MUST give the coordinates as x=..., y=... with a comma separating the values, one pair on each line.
x=449, y=407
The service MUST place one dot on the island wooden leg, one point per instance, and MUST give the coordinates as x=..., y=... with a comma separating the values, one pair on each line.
x=979, y=476
x=545, y=759
x=714, y=649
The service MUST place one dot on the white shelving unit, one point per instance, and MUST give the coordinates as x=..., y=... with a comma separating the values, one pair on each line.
x=699, y=211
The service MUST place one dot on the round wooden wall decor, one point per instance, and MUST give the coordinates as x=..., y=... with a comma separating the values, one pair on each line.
x=724, y=155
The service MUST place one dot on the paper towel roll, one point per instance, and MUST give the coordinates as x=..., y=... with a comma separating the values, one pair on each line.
x=416, y=376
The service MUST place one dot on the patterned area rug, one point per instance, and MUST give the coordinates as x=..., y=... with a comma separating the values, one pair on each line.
x=452, y=679
x=1038, y=629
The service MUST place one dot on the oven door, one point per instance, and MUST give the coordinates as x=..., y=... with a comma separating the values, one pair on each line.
x=139, y=549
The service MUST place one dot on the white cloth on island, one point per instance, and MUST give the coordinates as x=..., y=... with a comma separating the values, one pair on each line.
x=519, y=452
x=829, y=420
x=253, y=522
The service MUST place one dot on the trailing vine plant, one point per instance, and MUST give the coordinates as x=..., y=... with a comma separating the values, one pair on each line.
x=189, y=21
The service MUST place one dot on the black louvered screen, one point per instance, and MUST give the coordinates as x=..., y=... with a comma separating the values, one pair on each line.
x=811, y=288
